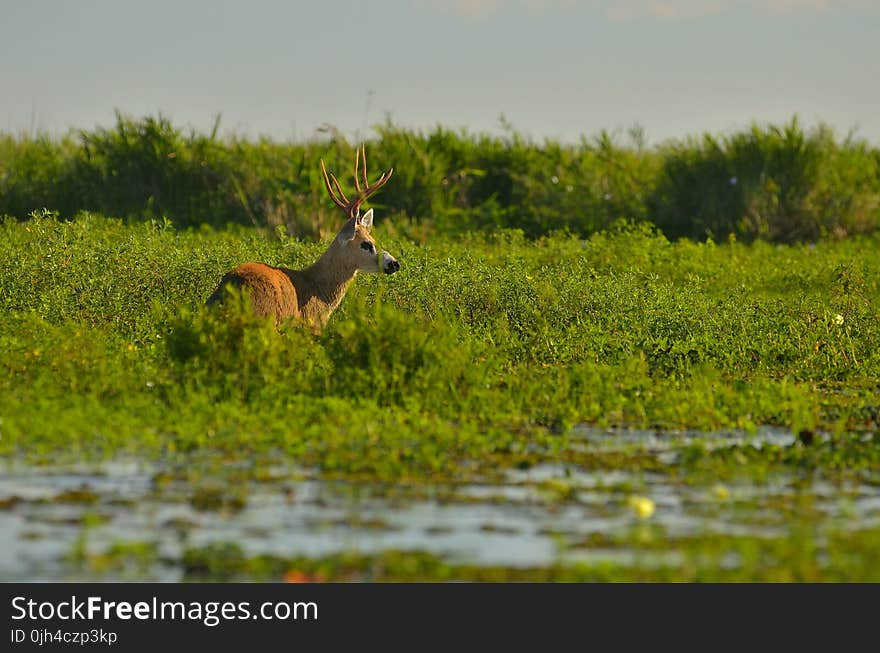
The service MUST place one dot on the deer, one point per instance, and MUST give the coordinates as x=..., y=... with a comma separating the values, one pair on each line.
x=310, y=295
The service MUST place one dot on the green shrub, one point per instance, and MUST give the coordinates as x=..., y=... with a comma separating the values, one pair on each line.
x=777, y=184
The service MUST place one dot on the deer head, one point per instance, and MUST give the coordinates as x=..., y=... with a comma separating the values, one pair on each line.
x=355, y=238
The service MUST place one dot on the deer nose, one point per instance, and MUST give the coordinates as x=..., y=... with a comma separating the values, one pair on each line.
x=391, y=266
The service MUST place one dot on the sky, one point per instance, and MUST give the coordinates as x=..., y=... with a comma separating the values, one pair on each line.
x=557, y=69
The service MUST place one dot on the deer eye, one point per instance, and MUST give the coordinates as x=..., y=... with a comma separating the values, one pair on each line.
x=369, y=247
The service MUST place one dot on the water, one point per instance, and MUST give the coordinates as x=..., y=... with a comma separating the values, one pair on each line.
x=535, y=517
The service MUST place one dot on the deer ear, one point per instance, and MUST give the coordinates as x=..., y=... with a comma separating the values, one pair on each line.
x=366, y=220
x=347, y=232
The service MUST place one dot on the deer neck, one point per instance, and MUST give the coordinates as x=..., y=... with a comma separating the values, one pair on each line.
x=328, y=279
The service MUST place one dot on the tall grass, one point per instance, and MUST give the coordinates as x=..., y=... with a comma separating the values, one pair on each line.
x=778, y=183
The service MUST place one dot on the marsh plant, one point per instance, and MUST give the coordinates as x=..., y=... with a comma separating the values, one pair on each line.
x=779, y=183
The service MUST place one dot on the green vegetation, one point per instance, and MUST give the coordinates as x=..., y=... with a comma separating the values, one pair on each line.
x=481, y=360
x=704, y=559
x=779, y=183
x=485, y=349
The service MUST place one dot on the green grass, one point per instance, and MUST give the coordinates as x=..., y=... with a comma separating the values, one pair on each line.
x=477, y=358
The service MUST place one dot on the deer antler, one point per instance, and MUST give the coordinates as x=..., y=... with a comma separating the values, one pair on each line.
x=351, y=207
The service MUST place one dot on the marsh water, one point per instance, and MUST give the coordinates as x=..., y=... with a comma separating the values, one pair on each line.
x=53, y=515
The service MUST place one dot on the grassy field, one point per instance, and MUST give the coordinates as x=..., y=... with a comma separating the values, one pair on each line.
x=623, y=377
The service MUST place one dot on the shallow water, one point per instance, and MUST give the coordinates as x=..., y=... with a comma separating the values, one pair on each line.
x=536, y=517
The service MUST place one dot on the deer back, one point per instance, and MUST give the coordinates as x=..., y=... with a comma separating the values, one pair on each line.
x=270, y=288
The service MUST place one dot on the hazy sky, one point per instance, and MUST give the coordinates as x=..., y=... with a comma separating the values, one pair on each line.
x=554, y=68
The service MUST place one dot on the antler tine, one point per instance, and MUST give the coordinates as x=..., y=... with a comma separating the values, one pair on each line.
x=364, y=155
x=360, y=168
x=371, y=190
x=339, y=202
x=357, y=169
x=339, y=190
x=381, y=181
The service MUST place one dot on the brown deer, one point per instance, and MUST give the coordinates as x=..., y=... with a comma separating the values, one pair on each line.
x=312, y=294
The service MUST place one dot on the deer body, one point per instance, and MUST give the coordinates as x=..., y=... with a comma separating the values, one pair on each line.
x=310, y=295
